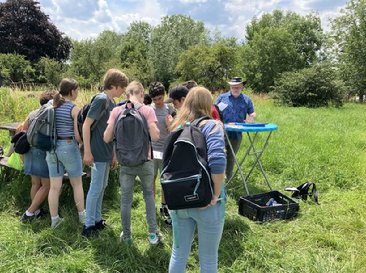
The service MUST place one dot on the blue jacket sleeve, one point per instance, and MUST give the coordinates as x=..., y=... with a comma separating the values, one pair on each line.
x=214, y=134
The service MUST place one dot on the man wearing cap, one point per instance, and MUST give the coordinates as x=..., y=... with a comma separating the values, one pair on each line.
x=235, y=107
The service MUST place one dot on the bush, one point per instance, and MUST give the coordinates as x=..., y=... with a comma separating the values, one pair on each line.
x=311, y=87
x=15, y=68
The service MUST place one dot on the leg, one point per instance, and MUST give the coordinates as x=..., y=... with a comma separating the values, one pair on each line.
x=36, y=184
x=78, y=192
x=98, y=215
x=183, y=231
x=53, y=196
x=210, y=225
x=146, y=174
x=40, y=195
x=127, y=182
x=235, y=143
x=96, y=189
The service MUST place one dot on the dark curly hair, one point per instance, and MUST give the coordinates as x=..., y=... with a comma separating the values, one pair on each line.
x=156, y=89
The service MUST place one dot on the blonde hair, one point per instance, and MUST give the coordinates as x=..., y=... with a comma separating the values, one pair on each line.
x=114, y=77
x=134, y=88
x=197, y=104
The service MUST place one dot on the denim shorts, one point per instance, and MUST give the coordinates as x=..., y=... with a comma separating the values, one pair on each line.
x=158, y=164
x=35, y=163
x=67, y=156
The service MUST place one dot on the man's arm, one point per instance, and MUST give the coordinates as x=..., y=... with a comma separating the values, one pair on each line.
x=154, y=131
x=88, y=156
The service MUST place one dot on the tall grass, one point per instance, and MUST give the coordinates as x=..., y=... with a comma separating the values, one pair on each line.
x=325, y=145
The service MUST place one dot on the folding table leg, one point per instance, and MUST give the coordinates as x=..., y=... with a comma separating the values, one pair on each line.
x=237, y=165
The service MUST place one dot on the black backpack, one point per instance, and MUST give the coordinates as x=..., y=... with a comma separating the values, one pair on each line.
x=302, y=191
x=83, y=114
x=185, y=176
x=21, y=144
x=132, y=137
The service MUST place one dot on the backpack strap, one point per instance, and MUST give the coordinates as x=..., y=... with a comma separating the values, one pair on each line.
x=198, y=121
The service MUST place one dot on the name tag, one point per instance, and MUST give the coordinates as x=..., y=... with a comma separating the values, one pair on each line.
x=157, y=155
x=222, y=106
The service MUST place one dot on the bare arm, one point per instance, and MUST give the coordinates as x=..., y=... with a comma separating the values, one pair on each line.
x=154, y=131
x=251, y=117
x=108, y=133
x=74, y=114
x=88, y=156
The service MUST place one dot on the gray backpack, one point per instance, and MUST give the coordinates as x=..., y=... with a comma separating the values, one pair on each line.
x=132, y=136
x=42, y=130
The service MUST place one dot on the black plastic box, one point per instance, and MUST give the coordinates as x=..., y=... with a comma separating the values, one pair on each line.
x=254, y=207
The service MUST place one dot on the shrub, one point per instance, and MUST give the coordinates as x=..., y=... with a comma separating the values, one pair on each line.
x=15, y=68
x=311, y=87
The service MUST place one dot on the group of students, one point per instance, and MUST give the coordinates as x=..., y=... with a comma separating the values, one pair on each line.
x=190, y=103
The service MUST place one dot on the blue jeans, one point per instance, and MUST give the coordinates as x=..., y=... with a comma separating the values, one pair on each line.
x=67, y=158
x=210, y=224
x=94, y=199
x=127, y=180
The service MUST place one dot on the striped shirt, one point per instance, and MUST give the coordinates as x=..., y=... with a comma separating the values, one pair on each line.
x=64, y=120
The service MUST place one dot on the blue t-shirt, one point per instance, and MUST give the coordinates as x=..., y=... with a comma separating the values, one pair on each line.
x=102, y=152
x=234, y=109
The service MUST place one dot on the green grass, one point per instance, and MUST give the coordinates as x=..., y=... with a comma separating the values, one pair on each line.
x=325, y=145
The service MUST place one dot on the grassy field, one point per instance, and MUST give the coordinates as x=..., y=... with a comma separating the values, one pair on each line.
x=326, y=146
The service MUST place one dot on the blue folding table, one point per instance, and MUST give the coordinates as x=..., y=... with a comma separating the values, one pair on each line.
x=252, y=130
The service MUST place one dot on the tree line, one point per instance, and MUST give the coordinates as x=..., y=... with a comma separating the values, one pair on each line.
x=284, y=54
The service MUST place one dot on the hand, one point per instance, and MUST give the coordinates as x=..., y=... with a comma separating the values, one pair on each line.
x=168, y=120
x=213, y=202
x=114, y=163
x=88, y=159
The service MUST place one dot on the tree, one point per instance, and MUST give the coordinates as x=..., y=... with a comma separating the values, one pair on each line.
x=312, y=87
x=135, y=52
x=349, y=33
x=208, y=65
x=91, y=58
x=279, y=42
x=14, y=68
x=26, y=30
x=174, y=35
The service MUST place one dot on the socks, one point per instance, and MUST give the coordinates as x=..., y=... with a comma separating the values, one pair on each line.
x=29, y=213
x=82, y=216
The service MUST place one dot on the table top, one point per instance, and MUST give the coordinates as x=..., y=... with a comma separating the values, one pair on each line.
x=250, y=127
x=9, y=126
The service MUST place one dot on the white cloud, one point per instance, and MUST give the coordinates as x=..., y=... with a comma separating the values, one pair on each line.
x=192, y=1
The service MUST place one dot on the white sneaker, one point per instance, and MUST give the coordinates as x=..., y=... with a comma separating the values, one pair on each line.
x=125, y=239
x=154, y=238
x=82, y=217
x=57, y=223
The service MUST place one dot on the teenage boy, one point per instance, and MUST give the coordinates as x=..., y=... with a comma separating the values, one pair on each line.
x=164, y=113
x=97, y=154
x=145, y=171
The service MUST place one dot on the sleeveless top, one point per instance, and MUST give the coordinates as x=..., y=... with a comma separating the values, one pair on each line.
x=64, y=120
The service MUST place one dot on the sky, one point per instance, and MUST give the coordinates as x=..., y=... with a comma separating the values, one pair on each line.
x=83, y=19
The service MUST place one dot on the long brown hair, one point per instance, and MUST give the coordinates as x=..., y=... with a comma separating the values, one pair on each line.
x=65, y=88
x=197, y=104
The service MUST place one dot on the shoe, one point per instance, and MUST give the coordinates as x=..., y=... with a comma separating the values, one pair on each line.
x=25, y=218
x=82, y=217
x=100, y=225
x=41, y=214
x=164, y=212
x=154, y=238
x=126, y=239
x=88, y=231
x=56, y=224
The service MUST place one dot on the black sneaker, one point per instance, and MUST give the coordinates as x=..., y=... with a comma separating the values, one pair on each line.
x=41, y=214
x=100, y=225
x=88, y=231
x=25, y=218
